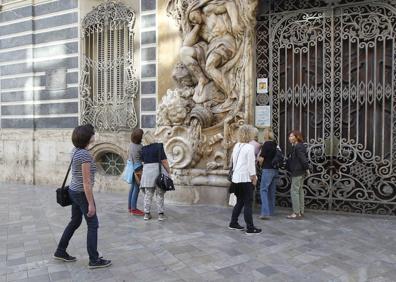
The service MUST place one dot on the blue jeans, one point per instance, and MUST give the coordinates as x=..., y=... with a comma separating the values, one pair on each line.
x=78, y=209
x=133, y=195
x=267, y=191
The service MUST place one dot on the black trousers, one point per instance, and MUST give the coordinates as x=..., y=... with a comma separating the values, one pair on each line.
x=244, y=195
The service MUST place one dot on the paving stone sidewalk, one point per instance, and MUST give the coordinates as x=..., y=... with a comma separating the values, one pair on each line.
x=194, y=244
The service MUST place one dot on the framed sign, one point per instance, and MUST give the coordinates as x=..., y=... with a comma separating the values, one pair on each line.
x=263, y=116
x=262, y=85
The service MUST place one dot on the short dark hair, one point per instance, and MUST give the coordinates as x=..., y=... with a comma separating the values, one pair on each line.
x=82, y=134
x=298, y=136
x=137, y=135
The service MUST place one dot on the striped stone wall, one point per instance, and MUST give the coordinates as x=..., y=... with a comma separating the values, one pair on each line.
x=39, y=51
x=148, y=63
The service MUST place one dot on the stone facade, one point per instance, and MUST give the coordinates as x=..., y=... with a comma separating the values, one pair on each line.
x=40, y=73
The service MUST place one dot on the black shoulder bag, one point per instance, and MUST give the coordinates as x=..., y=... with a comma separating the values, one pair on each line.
x=62, y=194
x=231, y=171
x=163, y=182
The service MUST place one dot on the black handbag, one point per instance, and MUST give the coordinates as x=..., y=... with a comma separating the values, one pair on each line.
x=62, y=194
x=163, y=181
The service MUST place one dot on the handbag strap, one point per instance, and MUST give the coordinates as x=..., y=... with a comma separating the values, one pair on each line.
x=68, y=170
x=233, y=166
x=159, y=160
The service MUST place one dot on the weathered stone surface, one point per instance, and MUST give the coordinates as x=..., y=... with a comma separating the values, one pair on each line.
x=198, y=118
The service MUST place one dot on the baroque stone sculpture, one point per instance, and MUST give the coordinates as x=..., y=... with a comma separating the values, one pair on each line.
x=197, y=119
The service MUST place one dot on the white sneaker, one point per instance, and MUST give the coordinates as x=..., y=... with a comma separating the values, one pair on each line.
x=147, y=216
x=161, y=217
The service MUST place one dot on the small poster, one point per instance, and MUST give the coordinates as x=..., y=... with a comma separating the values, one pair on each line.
x=263, y=116
x=262, y=85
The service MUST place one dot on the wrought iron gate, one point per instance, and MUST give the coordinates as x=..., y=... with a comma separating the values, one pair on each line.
x=332, y=75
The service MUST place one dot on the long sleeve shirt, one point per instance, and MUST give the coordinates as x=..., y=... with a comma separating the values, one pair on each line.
x=244, y=162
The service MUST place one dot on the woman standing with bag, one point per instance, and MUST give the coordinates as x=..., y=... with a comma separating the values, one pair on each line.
x=153, y=154
x=135, y=156
x=297, y=165
x=243, y=179
x=269, y=175
x=81, y=195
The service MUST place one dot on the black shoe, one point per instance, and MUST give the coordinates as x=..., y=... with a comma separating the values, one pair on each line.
x=235, y=226
x=100, y=263
x=64, y=256
x=253, y=230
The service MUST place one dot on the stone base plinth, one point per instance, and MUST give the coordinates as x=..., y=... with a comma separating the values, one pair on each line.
x=190, y=195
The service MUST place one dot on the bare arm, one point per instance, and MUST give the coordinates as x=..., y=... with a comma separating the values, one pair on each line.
x=233, y=13
x=165, y=163
x=86, y=173
x=192, y=37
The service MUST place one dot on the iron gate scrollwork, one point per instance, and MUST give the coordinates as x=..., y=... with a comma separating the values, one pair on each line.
x=332, y=75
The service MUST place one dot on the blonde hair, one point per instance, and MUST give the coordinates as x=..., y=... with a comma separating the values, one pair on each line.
x=148, y=138
x=254, y=133
x=245, y=133
x=270, y=133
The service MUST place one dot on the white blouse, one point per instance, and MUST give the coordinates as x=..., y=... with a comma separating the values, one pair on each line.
x=244, y=162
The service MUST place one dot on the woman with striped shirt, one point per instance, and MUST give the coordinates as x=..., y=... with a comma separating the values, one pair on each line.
x=81, y=194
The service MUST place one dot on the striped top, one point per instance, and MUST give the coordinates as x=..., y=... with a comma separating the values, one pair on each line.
x=81, y=156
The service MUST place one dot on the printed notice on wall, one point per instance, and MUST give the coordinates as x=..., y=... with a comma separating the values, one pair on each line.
x=262, y=85
x=263, y=116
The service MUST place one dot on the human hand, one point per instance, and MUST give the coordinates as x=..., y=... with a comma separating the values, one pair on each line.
x=91, y=210
x=254, y=179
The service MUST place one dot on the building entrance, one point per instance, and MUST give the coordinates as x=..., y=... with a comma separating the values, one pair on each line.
x=332, y=75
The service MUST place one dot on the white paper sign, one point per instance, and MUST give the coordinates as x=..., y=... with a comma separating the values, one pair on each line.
x=262, y=85
x=263, y=116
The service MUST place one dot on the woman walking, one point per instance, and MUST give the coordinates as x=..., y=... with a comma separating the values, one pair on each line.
x=243, y=179
x=81, y=194
x=135, y=156
x=269, y=175
x=153, y=157
x=297, y=165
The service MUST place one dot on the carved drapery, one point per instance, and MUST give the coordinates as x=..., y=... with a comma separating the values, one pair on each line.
x=197, y=119
x=332, y=72
x=109, y=84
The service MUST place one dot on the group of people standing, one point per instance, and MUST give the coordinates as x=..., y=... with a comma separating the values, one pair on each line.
x=145, y=160
x=150, y=160
x=246, y=155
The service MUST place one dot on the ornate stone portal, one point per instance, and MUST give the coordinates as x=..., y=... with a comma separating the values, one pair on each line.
x=198, y=119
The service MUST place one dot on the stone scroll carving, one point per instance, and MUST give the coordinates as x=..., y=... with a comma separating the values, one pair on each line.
x=198, y=118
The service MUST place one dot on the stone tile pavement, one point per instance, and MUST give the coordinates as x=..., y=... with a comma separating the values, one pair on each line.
x=194, y=244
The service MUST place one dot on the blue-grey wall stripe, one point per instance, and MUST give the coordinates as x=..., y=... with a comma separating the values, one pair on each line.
x=40, y=109
x=57, y=122
x=41, y=52
x=18, y=96
x=37, y=25
x=67, y=63
x=38, y=10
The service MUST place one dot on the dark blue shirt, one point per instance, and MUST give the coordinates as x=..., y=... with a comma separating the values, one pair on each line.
x=153, y=153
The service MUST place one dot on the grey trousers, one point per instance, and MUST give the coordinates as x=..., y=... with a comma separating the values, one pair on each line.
x=297, y=194
x=148, y=198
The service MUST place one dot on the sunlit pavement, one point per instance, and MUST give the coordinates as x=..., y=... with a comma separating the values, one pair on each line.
x=194, y=244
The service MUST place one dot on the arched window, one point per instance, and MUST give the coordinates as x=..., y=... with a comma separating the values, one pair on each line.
x=108, y=84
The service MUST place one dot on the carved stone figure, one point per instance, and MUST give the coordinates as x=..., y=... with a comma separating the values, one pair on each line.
x=212, y=31
x=197, y=119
